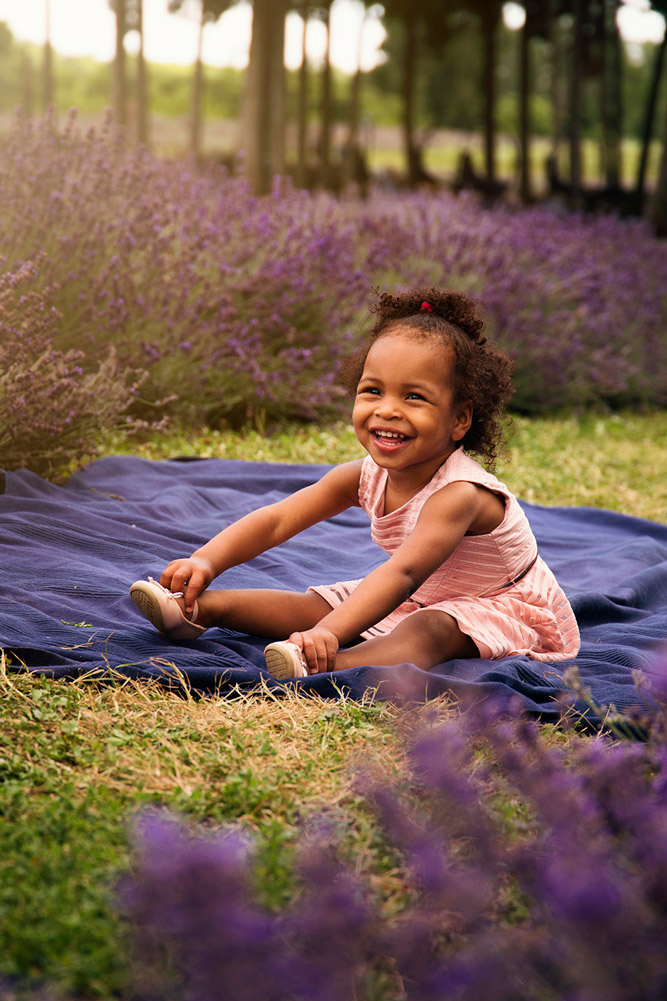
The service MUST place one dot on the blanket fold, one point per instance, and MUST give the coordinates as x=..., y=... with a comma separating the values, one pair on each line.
x=68, y=555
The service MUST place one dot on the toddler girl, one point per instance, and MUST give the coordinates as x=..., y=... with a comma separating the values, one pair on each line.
x=463, y=577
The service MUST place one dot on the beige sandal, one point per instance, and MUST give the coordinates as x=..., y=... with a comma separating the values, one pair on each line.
x=285, y=660
x=160, y=607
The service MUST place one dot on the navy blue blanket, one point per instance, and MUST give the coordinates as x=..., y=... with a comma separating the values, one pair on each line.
x=68, y=555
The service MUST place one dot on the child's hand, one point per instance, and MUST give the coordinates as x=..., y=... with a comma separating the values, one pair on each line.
x=191, y=575
x=319, y=646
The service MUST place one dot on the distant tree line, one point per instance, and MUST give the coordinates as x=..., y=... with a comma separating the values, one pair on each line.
x=565, y=69
x=572, y=48
x=583, y=49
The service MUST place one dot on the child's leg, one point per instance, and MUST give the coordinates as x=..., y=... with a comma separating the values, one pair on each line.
x=425, y=638
x=261, y=612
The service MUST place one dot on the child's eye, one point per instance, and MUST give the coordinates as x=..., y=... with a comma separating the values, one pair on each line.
x=372, y=390
x=415, y=396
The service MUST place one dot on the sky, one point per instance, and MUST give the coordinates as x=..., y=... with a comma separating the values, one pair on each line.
x=86, y=28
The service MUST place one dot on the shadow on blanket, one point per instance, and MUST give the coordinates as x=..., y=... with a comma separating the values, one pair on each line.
x=69, y=553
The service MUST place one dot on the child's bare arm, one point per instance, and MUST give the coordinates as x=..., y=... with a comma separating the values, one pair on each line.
x=263, y=529
x=444, y=520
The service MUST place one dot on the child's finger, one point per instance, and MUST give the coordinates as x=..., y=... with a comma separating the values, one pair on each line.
x=300, y=640
x=318, y=649
x=313, y=655
x=180, y=578
x=323, y=655
x=170, y=575
x=328, y=649
x=297, y=640
x=192, y=588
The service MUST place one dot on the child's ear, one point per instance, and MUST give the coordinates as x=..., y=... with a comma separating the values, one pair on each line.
x=462, y=420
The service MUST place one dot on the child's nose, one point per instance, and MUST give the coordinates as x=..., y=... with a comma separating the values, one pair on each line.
x=388, y=406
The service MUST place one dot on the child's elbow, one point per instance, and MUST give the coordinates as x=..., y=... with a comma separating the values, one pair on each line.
x=409, y=579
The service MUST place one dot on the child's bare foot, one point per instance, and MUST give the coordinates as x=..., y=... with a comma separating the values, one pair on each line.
x=166, y=610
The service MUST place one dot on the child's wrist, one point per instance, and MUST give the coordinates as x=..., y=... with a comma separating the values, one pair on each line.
x=337, y=633
x=201, y=557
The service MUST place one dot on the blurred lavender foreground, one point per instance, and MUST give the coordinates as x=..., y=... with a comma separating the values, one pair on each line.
x=222, y=305
x=537, y=869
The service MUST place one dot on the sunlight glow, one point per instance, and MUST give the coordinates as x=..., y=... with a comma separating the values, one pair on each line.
x=87, y=28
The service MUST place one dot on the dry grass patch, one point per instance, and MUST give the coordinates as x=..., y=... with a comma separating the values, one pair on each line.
x=251, y=758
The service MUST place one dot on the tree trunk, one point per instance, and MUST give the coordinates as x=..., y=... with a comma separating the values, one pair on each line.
x=142, y=87
x=577, y=66
x=48, y=94
x=409, y=67
x=119, y=85
x=617, y=92
x=326, y=110
x=262, y=138
x=28, y=91
x=490, y=19
x=302, y=122
x=555, y=81
x=659, y=201
x=355, y=90
x=605, y=100
x=524, y=112
x=611, y=96
x=198, y=89
x=649, y=119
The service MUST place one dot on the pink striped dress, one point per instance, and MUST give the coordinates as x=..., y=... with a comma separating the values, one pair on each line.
x=501, y=593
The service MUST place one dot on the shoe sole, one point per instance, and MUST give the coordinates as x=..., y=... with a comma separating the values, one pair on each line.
x=149, y=606
x=279, y=665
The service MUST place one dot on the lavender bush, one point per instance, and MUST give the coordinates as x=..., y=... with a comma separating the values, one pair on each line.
x=239, y=307
x=51, y=411
x=199, y=933
x=578, y=302
x=537, y=869
x=231, y=303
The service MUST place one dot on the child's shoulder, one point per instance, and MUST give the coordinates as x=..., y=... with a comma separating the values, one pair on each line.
x=344, y=479
x=461, y=466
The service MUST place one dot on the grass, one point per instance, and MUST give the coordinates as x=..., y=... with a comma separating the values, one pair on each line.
x=618, y=462
x=78, y=760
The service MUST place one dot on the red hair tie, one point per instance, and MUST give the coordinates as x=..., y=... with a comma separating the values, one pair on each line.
x=427, y=306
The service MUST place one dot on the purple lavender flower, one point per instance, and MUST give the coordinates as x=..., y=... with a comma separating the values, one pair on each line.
x=569, y=902
x=209, y=937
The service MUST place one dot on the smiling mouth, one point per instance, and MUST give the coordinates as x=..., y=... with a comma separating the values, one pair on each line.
x=390, y=439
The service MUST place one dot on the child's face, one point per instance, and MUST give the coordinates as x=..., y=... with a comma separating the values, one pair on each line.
x=404, y=413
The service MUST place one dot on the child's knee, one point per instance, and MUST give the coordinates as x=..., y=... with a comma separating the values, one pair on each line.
x=433, y=626
x=439, y=634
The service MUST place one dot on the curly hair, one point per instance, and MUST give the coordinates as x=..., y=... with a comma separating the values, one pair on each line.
x=482, y=373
